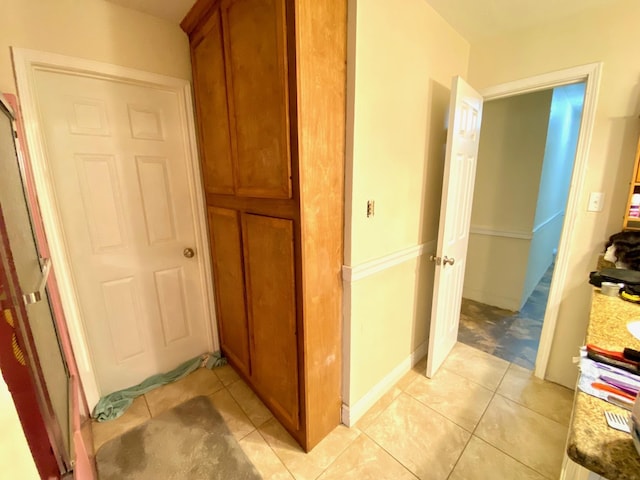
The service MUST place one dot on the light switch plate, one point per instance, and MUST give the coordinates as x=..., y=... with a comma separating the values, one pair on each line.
x=596, y=200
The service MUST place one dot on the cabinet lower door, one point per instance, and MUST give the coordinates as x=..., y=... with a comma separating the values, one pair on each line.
x=270, y=282
x=226, y=245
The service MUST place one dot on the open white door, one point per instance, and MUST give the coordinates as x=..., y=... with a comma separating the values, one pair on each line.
x=455, y=214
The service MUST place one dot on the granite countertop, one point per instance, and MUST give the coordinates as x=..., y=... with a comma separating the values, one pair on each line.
x=592, y=443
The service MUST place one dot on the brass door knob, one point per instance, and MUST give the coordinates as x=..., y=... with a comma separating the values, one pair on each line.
x=188, y=252
x=448, y=260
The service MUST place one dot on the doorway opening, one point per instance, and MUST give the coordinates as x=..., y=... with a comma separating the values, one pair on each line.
x=526, y=158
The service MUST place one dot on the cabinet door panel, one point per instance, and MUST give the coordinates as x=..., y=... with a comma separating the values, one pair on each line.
x=211, y=103
x=269, y=266
x=226, y=243
x=255, y=33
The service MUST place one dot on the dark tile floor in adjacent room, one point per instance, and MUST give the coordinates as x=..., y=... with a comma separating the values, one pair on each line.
x=512, y=336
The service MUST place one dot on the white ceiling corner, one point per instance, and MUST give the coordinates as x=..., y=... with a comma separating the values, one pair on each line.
x=473, y=19
x=172, y=10
x=478, y=19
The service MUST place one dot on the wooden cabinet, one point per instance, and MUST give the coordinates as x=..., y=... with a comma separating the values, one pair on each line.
x=270, y=285
x=228, y=269
x=269, y=79
x=257, y=78
x=207, y=57
x=632, y=211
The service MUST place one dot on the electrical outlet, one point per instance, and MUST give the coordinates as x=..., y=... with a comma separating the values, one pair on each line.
x=371, y=208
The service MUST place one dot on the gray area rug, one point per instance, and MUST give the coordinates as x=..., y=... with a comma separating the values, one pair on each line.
x=190, y=441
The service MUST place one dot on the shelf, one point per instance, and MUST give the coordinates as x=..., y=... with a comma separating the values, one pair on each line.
x=633, y=223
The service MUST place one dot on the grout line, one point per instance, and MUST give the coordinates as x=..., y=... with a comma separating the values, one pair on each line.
x=377, y=415
x=391, y=454
x=235, y=402
x=360, y=432
x=144, y=396
x=473, y=434
x=511, y=457
x=460, y=456
x=484, y=412
x=274, y=452
x=436, y=413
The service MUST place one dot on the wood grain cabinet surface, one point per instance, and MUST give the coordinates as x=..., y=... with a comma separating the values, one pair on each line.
x=269, y=80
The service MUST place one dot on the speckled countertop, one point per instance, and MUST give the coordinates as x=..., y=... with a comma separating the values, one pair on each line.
x=591, y=442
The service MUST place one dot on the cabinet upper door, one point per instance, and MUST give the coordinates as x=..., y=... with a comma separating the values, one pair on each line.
x=207, y=54
x=256, y=69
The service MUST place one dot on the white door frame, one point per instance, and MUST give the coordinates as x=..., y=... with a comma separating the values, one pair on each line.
x=26, y=62
x=590, y=74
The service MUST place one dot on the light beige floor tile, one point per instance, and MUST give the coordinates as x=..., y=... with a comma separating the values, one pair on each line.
x=307, y=466
x=237, y=421
x=364, y=460
x=263, y=457
x=257, y=412
x=226, y=374
x=525, y=435
x=476, y=365
x=417, y=371
x=425, y=442
x=135, y=415
x=548, y=399
x=457, y=398
x=378, y=408
x=481, y=461
x=200, y=382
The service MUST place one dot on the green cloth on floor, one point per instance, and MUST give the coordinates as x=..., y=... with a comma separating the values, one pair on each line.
x=115, y=404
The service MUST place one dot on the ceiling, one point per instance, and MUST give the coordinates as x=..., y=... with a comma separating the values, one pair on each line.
x=473, y=19
x=172, y=10
x=477, y=19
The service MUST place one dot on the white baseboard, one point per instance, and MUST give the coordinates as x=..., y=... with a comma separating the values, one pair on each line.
x=352, y=413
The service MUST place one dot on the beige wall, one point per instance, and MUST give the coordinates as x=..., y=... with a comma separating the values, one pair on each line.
x=405, y=58
x=402, y=57
x=609, y=35
x=510, y=160
x=559, y=155
x=510, y=156
x=390, y=313
x=91, y=29
x=496, y=268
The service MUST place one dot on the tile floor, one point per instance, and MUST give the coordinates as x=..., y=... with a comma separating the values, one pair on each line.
x=512, y=336
x=480, y=418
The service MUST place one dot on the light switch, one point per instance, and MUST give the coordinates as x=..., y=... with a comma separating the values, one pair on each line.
x=596, y=200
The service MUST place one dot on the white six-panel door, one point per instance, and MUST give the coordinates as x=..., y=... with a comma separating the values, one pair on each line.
x=118, y=159
x=463, y=138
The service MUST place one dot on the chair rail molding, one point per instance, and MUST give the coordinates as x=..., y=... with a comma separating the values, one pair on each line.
x=366, y=269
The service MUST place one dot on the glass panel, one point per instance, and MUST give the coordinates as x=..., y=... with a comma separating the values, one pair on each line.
x=27, y=264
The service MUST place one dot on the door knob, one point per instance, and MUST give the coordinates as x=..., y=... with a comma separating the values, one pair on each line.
x=188, y=252
x=448, y=260
x=435, y=259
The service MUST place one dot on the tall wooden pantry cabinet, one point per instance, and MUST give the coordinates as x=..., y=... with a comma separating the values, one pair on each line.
x=269, y=79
